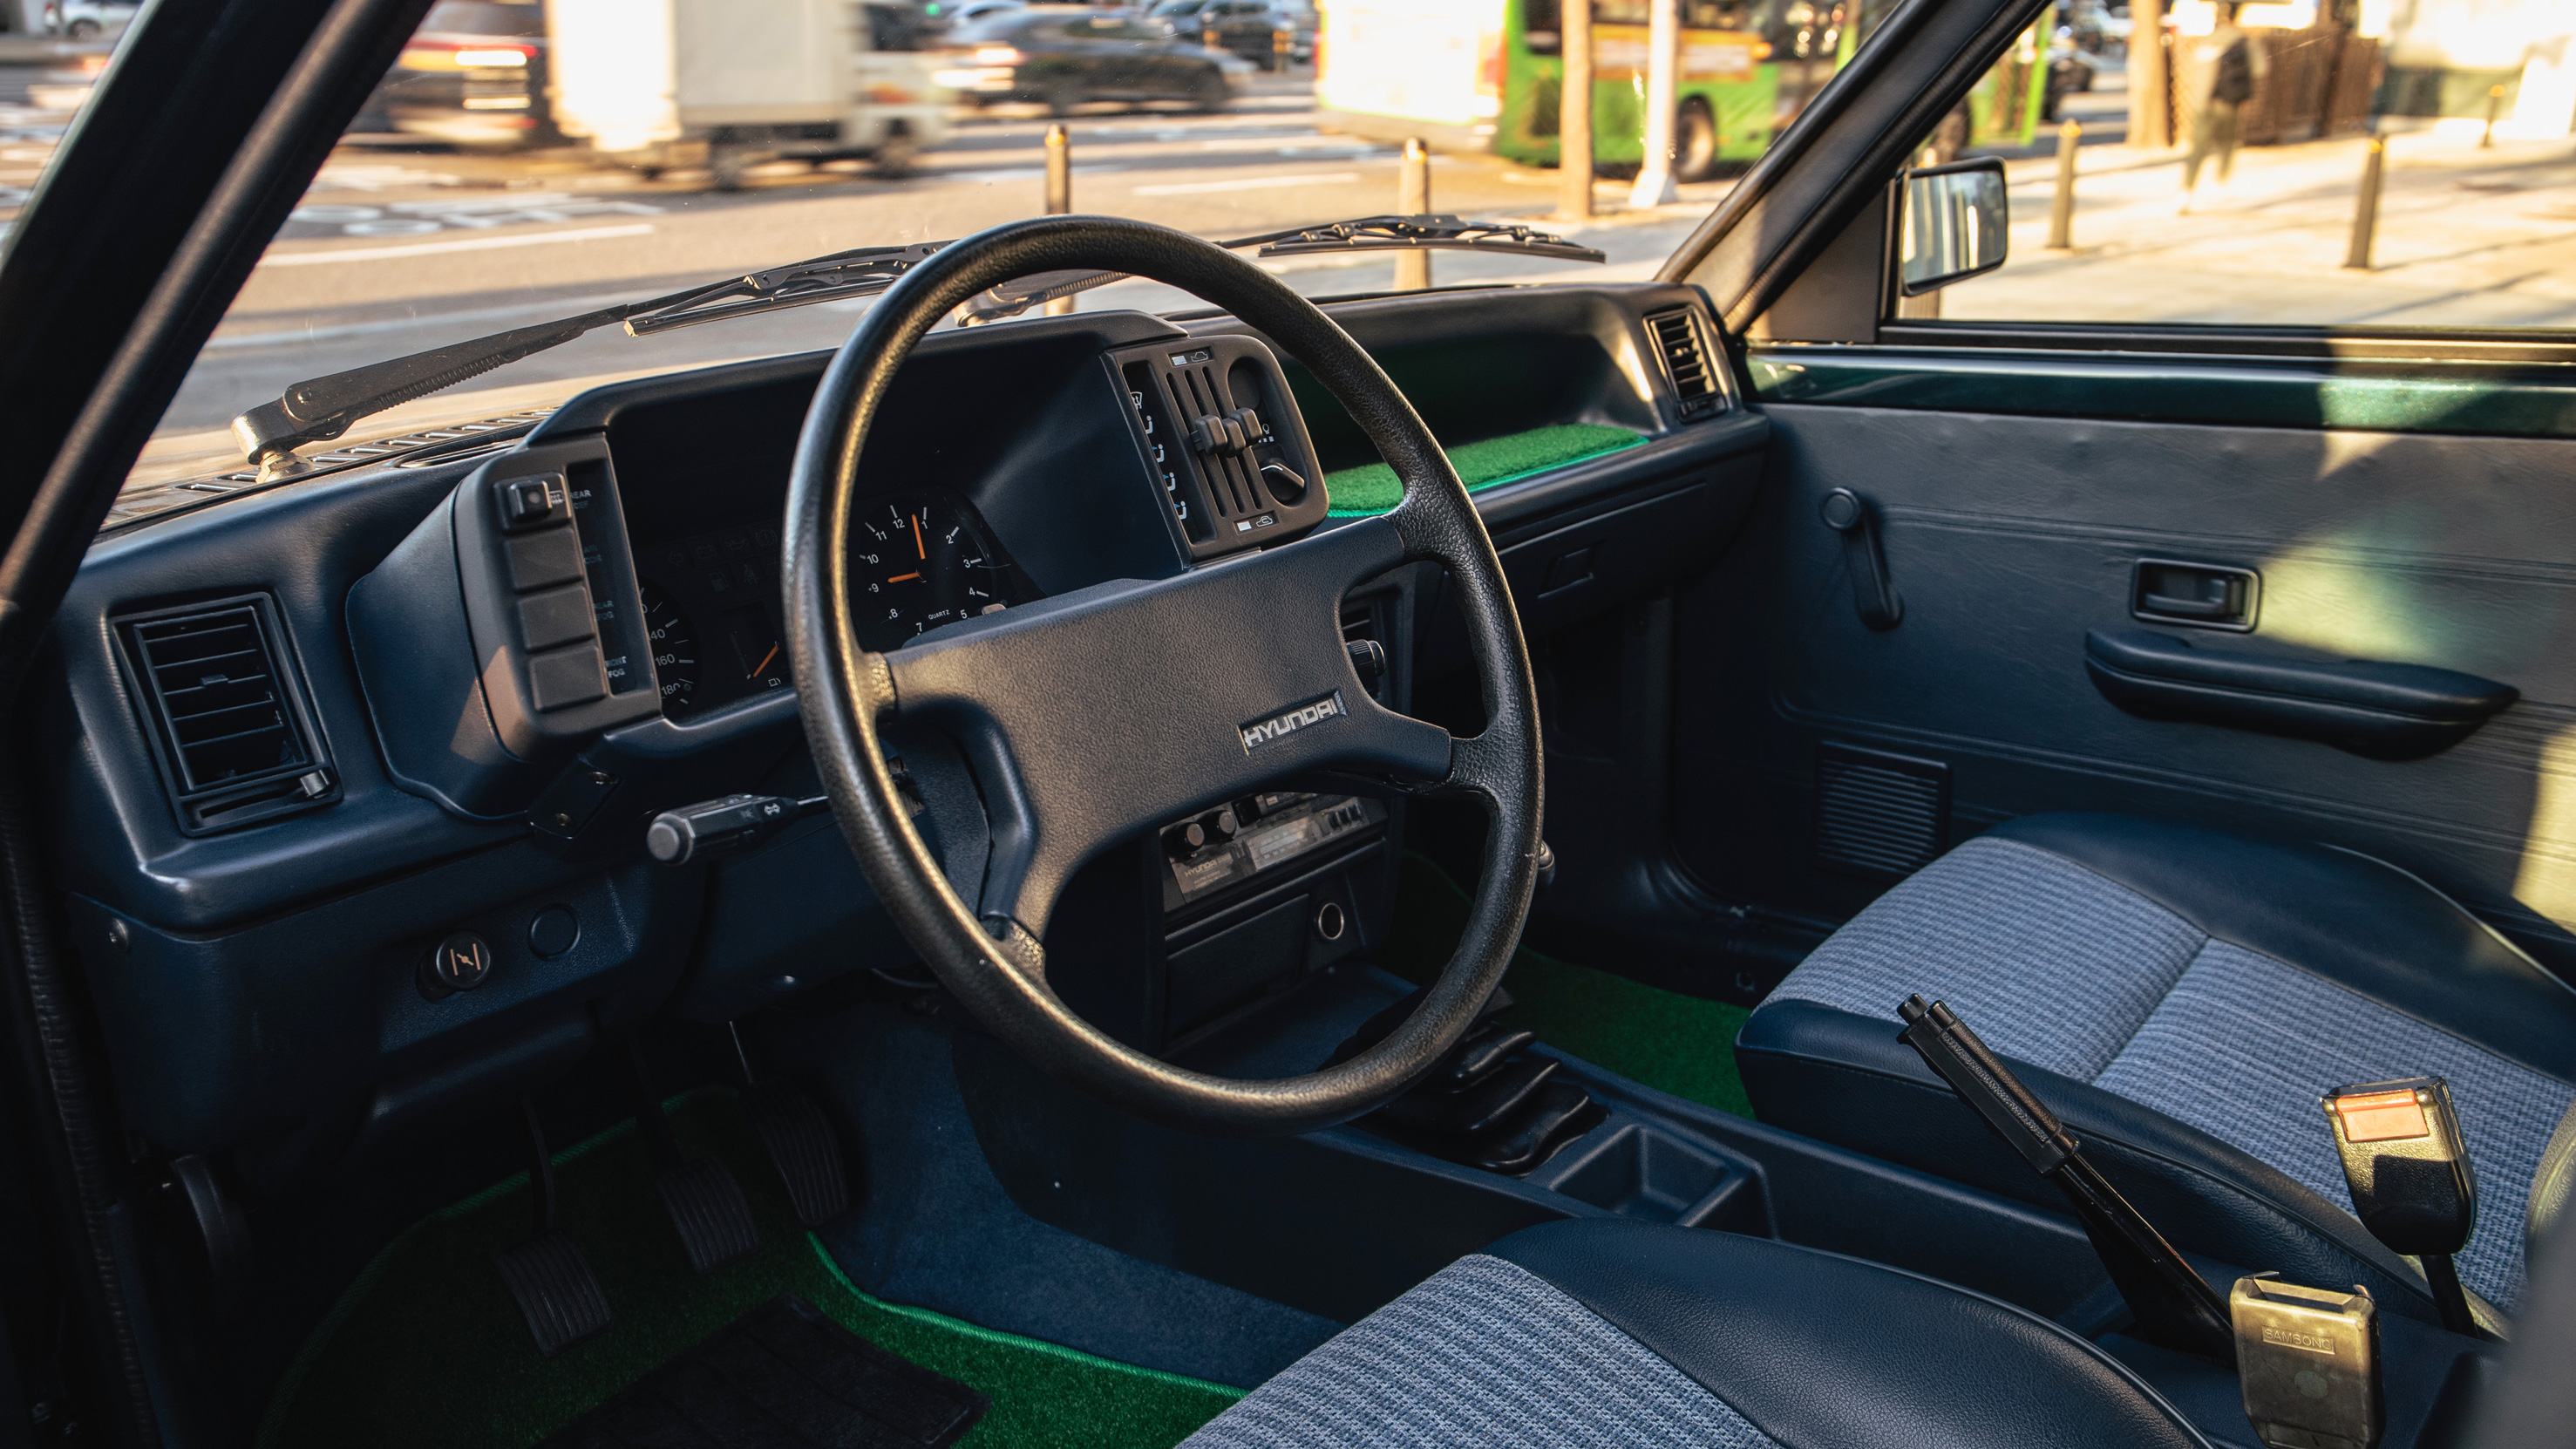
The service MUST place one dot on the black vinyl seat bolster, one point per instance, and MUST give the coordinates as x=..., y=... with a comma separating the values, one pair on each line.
x=1820, y=1351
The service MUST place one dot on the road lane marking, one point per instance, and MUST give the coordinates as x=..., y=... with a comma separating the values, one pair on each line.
x=1256, y=183
x=470, y=244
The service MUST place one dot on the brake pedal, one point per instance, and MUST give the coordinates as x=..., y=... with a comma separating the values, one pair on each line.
x=707, y=1207
x=804, y=1149
x=557, y=1292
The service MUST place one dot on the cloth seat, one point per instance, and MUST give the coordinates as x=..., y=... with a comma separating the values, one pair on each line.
x=1604, y=1334
x=2182, y=997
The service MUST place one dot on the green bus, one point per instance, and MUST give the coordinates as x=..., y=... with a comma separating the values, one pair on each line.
x=1488, y=74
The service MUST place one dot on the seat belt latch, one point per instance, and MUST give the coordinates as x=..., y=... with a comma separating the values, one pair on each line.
x=2307, y=1360
x=2412, y=1187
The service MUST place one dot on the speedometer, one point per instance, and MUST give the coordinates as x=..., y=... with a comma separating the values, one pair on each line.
x=675, y=650
x=919, y=561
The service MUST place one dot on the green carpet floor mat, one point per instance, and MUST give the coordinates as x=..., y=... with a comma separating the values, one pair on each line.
x=1668, y=1041
x=1372, y=487
x=427, y=1350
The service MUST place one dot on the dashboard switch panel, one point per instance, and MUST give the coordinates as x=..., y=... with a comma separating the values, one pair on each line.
x=1222, y=442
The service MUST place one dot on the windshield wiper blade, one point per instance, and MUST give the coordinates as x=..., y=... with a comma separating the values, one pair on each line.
x=320, y=409
x=1416, y=233
x=1362, y=234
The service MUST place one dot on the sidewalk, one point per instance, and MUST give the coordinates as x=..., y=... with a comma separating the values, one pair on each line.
x=2467, y=237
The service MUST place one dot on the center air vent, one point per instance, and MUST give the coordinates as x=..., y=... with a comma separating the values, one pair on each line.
x=228, y=721
x=1687, y=363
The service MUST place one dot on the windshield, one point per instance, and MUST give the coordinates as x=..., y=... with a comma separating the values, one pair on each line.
x=524, y=162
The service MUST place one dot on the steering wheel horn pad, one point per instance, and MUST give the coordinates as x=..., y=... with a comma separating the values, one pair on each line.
x=1096, y=715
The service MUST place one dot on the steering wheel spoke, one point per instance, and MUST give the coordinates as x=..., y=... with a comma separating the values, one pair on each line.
x=1099, y=714
x=1102, y=713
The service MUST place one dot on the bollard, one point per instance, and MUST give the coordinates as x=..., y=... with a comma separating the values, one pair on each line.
x=1574, y=116
x=2365, y=210
x=1413, y=198
x=2495, y=99
x=1207, y=37
x=1059, y=193
x=1059, y=171
x=1281, y=51
x=2061, y=208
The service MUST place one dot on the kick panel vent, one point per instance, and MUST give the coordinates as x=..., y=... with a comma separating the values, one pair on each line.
x=1879, y=815
x=1687, y=363
x=225, y=713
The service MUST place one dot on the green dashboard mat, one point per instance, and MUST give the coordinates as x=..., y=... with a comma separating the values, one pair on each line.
x=426, y=1350
x=1372, y=487
x=1671, y=1042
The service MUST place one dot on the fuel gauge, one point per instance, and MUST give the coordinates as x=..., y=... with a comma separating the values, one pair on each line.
x=759, y=650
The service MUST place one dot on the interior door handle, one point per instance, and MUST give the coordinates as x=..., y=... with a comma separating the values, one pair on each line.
x=1874, y=594
x=2215, y=596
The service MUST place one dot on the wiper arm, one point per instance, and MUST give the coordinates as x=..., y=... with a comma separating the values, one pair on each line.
x=1416, y=233
x=1363, y=234
x=322, y=408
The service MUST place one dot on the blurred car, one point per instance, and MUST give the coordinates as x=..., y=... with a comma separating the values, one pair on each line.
x=473, y=75
x=954, y=15
x=1065, y=56
x=2071, y=68
x=89, y=19
x=1250, y=29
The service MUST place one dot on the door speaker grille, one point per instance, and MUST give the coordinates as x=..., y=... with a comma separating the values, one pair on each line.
x=1878, y=815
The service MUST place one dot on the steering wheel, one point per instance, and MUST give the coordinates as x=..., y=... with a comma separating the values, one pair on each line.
x=1096, y=715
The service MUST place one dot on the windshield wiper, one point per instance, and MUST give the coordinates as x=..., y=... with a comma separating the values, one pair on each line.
x=322, y=408
x=1427, y=232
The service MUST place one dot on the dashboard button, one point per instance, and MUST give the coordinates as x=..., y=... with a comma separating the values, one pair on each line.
x=555, y=931
x=557, y=616
x=530, y=503
x=540, y=560
x=566, y=677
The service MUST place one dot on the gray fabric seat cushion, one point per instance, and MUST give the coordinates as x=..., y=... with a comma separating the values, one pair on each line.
x=2058, y=965
x=1606, y=1332
x=1486, y=1353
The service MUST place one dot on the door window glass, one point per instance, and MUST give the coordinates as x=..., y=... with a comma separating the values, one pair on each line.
x=2350, y=163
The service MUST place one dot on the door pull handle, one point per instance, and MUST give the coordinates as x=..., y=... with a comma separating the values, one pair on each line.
x=1874, y=594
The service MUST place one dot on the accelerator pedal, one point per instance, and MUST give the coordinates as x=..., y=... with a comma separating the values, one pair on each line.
x=804, y=1149
x=782, y=1377
x=707, y=1207
x=557, y=1292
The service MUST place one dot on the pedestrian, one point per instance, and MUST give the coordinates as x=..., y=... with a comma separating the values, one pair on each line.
x=2220, y=72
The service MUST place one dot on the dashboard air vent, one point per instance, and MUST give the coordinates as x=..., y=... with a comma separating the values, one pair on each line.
x=1687, y=363
x=228, y=724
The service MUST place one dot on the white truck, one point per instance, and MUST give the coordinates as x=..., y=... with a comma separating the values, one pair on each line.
x=730, y=84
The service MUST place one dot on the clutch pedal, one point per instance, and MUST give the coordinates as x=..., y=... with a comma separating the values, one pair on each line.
x=557, y=1292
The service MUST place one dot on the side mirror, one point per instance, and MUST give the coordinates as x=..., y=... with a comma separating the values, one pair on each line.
x=1955, y=226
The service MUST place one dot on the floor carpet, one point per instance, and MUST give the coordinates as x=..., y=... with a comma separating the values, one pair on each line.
x=1673, y=1043
x=428, y=1349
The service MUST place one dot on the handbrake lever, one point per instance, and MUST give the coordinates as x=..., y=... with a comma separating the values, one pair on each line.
x=2174, y=1305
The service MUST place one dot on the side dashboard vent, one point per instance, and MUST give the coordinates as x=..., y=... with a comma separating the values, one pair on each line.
x=225, y=712
x=1687, y=363
x=1878, y=815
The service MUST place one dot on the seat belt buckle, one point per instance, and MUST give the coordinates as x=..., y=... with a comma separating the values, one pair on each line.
x=2405, y=1163
x=2307, y=1361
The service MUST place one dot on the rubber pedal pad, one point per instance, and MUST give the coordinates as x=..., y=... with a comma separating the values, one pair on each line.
x=804, y=1149
x=557, y=1293
x=707, y=1207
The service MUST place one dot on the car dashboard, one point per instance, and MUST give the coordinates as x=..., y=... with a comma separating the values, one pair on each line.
x=354, y=841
